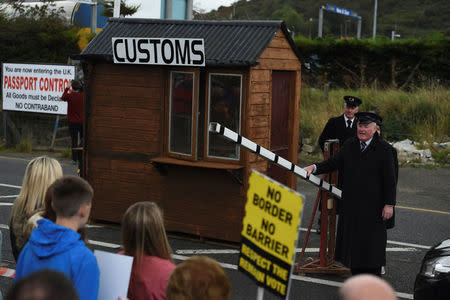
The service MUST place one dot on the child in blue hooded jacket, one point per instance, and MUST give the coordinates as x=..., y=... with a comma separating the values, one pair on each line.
x=57, y=245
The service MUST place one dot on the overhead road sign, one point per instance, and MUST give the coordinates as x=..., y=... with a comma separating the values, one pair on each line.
x=341, y=11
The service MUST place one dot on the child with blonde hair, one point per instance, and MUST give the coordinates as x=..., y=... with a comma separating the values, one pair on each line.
x=40, y=173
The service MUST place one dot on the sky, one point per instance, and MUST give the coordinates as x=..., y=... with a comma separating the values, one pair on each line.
x=151, y=8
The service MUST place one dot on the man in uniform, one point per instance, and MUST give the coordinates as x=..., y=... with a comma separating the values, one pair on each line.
x=369, y=187
x=342, y=127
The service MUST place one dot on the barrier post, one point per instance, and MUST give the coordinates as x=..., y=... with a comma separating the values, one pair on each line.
x=325, y=263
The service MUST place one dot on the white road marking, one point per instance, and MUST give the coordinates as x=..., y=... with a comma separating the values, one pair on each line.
x=11, y=186
x=408, y=244
x=207, y=251
x=338, y=284
x=9, y=196
x=235, y=267
x=104, y=244
x=296, y=277
x=297, y=250
x=233, y=251
x=225, y=265
x=6, y=203
x=93, y=226
x=306, y=229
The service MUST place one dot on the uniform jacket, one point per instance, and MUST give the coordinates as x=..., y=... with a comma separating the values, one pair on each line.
x=336, y=128
x=59, y=248
x=369, y=182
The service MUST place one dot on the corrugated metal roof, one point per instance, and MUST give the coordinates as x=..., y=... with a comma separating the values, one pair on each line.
x=227, y=43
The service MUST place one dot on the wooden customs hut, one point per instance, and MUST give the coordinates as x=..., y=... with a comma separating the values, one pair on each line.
x=146, y=135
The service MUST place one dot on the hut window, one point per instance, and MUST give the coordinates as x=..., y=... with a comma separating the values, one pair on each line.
x=224, y=105
x=181, y=112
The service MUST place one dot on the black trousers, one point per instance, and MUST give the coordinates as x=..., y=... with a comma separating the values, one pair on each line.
x=373, y=271
x=76, y=129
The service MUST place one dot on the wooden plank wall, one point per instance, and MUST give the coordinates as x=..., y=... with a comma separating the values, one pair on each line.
x=124, y=128
x=277, y=56
x=204, y=202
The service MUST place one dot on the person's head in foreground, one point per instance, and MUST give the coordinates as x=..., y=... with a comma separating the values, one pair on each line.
x=143, y=232
x=198, y=278
x=72, y=200
x=366, y=287
x=43, y=285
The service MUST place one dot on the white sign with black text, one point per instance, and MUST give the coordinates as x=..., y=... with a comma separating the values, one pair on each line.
x=159, y=51
x=36, y=88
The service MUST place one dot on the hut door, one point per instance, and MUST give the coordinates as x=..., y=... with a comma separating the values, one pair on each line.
x=281, y=89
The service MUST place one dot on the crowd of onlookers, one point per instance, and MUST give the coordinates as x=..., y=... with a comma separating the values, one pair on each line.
x=53, y=262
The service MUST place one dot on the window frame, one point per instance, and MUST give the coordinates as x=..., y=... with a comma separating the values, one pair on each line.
x=199, y=158
x=179, y=155
x=206, y=155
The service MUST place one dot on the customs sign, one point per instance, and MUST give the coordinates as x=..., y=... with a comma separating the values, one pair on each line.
x=158, y=51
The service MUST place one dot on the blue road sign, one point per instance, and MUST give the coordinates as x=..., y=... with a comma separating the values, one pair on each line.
x=341, y=11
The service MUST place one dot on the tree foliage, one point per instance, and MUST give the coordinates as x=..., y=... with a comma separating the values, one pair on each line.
x=36, y=34
x=383, y=63
x=293, y=20
x=125, y=9
x=409, y=18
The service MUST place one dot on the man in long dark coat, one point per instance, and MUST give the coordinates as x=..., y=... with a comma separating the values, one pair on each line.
x=343, y=126
x=369, y=187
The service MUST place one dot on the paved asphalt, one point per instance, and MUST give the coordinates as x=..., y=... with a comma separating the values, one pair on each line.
x=423, y=219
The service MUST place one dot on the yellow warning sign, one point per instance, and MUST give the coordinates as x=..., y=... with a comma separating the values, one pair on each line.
x=269, y=232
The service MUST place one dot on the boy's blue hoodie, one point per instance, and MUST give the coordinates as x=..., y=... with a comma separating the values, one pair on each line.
x=59, y=248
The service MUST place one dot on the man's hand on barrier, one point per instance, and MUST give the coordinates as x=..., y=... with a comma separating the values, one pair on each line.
x=309, y=169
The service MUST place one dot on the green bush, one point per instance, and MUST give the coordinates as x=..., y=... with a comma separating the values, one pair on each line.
x=401, y=64
x=441, y=156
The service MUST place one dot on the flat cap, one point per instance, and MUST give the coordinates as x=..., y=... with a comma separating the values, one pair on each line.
x=365, y=117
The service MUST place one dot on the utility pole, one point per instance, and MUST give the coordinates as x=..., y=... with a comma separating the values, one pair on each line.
x=94, y=18
x=189, y=5
x=310, y=24
x=320, y=21
x=374, y=33
x=116, y=12
x=358, y=31
x=168, y=11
